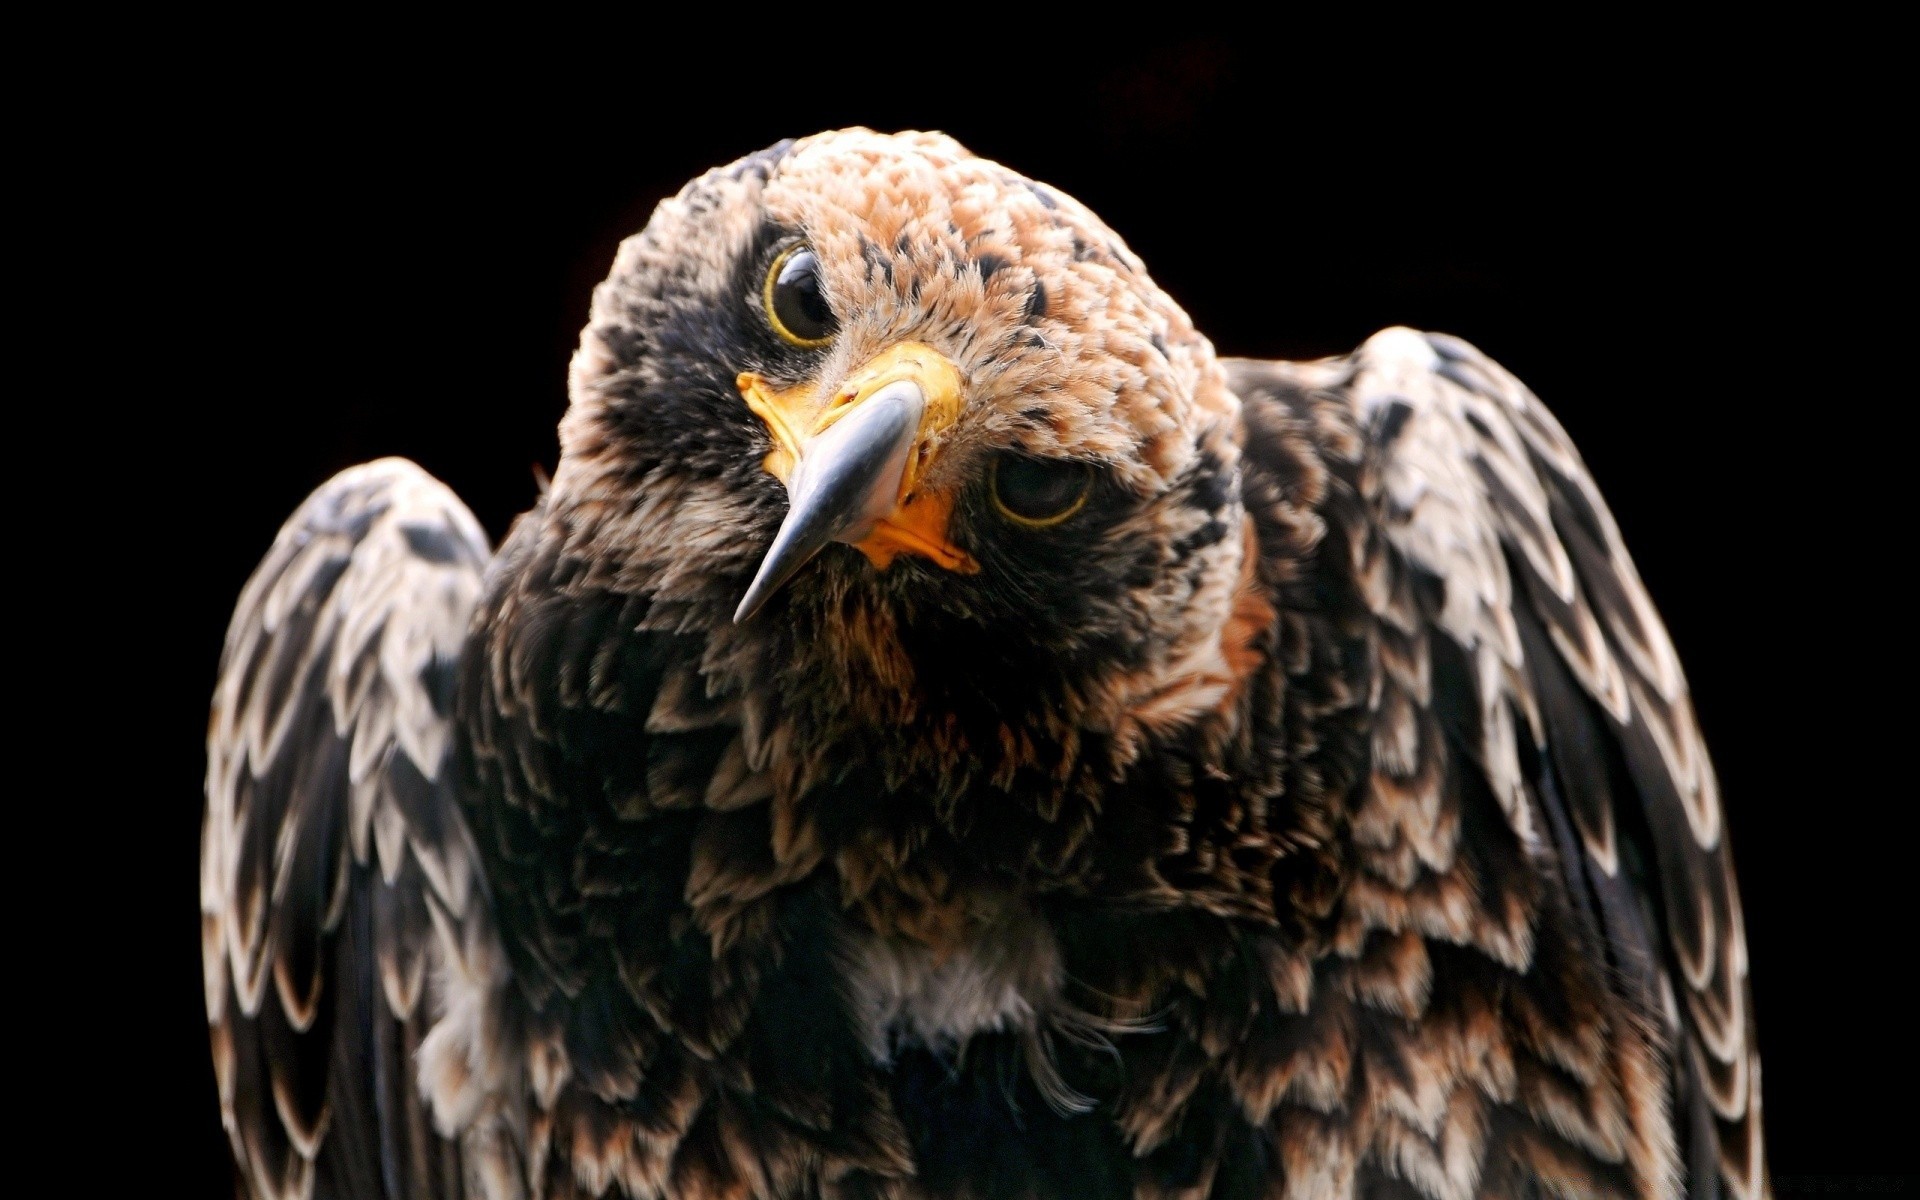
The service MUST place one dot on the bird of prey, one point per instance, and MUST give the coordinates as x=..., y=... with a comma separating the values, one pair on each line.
x=944, y=733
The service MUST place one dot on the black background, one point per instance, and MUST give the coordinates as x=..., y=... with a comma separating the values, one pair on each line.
x=329, y=252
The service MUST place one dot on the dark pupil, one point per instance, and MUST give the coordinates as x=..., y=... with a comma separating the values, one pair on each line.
x=1037, y=489
x=797, y=301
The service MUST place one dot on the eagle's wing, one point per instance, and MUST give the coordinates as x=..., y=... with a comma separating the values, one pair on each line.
x=335, y=870
x=1584, y=732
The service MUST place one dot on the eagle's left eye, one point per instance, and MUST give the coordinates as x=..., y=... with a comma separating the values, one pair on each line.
x=1037, y=492
x=796, y=304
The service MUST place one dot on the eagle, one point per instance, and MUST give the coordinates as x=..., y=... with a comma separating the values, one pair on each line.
x=944, y=733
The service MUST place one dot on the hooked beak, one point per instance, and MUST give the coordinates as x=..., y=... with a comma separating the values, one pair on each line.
x=851, y=466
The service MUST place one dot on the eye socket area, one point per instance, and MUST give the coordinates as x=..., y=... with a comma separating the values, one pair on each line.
x=796, y=300
x=1038, y=493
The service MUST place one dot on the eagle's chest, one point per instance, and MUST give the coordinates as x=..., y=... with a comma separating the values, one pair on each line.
x=1000, y=974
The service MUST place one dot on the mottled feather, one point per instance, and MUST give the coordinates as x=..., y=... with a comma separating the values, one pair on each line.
x=336, y=875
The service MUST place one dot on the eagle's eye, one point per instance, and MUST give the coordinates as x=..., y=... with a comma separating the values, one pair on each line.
x=1038, y=492
x=796, y=305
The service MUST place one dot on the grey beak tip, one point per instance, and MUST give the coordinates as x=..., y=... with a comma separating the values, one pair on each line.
x=757, y=593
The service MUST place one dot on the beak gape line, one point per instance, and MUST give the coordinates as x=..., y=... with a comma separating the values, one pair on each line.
x=852, y=466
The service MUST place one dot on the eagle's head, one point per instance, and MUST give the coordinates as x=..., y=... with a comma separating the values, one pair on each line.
x=948, y=487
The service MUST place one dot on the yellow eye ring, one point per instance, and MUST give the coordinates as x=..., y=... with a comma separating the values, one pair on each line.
x=1045, y=484
x=795, y=305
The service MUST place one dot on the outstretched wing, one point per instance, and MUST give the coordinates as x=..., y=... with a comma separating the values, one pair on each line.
x=335, y=867
x=1585, y=730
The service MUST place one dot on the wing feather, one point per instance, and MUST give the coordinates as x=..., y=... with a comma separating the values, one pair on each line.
x=1578, y=583
x=1584, y=713
x=335, y=863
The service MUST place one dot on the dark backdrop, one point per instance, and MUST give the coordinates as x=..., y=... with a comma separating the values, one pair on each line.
x=359, y=253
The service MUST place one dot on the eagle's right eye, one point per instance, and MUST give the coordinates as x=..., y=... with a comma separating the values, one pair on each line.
x=796, y=304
